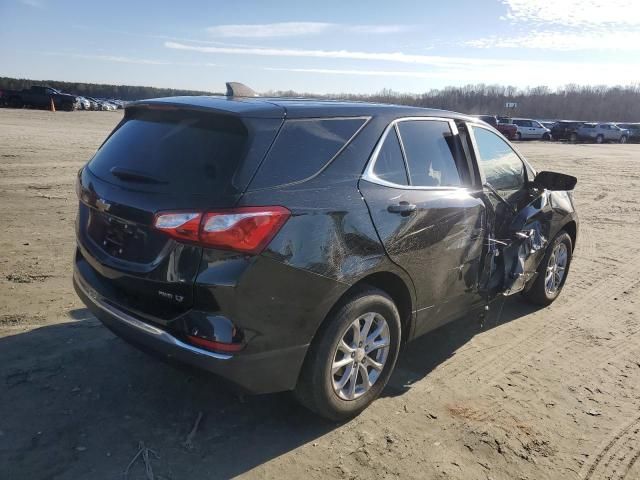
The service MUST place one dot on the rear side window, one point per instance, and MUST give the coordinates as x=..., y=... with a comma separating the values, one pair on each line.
x=303, y=147
x=165, y=151
x=389, y=164
x=429, y=148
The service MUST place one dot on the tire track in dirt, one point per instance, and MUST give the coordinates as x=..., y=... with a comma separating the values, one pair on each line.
x=630, y=465
x=586, y=245
x=542, y=334
x=627, y=435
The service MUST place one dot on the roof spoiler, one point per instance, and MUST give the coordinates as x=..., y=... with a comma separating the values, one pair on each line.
x=237, y=89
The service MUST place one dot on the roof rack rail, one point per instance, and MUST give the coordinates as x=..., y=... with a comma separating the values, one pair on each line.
x=237, y=89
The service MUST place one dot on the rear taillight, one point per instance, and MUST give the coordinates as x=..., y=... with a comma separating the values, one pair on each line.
x=247, y=229
x=180, y=225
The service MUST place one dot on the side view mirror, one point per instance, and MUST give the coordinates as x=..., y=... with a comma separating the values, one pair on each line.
x=555, y=181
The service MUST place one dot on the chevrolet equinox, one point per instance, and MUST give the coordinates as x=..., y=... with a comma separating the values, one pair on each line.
x=288, y=244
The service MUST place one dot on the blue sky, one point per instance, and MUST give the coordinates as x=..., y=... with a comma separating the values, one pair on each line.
x=325, y=46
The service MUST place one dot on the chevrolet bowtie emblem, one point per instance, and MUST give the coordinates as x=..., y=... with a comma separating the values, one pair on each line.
x=102, y=205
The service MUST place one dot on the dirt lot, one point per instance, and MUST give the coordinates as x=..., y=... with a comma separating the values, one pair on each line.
x=533, y=394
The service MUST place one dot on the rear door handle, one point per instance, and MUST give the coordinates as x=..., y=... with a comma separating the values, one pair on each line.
x=402, y=207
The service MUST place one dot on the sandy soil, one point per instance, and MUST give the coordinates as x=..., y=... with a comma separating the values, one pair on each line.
x=532, y=394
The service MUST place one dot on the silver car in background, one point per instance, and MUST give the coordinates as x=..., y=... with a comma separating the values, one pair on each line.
x=529, y=129
x=601, y=133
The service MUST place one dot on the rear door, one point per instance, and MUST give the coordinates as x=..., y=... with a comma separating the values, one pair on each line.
x=161, y=160
x=417, y=188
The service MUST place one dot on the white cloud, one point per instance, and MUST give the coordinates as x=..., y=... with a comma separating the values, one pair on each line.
x=454, y=69
x=365, y=73
x=575, y=13
x=564, y=41
x=509, y=72
x=570, y=25
x=398, y=57
x=294, y=29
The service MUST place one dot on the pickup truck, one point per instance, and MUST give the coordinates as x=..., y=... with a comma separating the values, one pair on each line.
x=38, y=97
x=507, y=129
x=601, y=133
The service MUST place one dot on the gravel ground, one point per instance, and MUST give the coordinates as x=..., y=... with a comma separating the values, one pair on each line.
x=531, y=394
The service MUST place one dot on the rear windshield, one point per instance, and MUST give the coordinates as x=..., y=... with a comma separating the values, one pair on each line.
x=171, y=151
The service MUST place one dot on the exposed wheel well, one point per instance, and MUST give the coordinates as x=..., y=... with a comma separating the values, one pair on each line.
x=571, y=229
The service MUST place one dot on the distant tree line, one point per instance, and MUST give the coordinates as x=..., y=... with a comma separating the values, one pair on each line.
x=122, y=92
x=573, y=102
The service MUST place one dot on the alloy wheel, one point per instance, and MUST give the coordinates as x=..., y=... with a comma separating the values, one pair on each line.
x=360, y=356
x=556, y=268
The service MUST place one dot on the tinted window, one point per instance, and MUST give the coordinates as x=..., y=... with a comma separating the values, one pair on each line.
x=502, y=168
x=178, y=151
x=429, y=147
x=303, y=147
x=389, y=164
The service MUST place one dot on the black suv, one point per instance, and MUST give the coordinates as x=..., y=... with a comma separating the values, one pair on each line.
x=291, y=244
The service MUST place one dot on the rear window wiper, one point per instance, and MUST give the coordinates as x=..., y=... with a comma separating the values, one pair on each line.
x=134, y=176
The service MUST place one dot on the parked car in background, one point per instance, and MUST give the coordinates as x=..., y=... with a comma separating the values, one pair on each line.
x=562, y=129
x=84, y=104
x=600, y=133
x=290, y=244
x=529, y=129
x=634, y=131
x=101, y=104
x=116, y=102
x=507, y=129
x=39, y=96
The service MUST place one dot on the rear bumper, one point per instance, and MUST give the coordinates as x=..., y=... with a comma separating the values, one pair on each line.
x=265, y=372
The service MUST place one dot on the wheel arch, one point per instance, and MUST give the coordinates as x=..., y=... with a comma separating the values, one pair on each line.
x=571, y=227
x=394, y=285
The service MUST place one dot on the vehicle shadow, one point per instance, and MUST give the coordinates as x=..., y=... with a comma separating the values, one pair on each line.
x=77, y=402
x=422, y=355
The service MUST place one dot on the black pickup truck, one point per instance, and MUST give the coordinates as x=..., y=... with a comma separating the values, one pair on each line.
x=38, y=97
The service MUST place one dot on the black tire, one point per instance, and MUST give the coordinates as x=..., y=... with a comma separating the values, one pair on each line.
x=518, y=136
x=573, y=138
x=315, y=388
x=546, y=136
x=623, y=139
x=538, y=293
x=600, y=139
